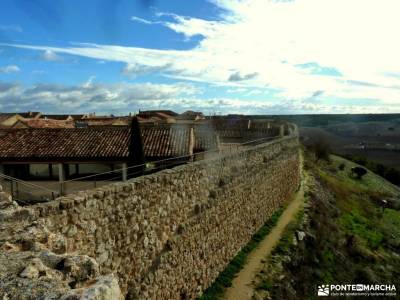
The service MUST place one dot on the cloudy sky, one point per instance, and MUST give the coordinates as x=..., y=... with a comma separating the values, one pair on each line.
x=217, y=56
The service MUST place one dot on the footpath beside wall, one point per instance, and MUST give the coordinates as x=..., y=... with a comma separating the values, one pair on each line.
x=162, y=236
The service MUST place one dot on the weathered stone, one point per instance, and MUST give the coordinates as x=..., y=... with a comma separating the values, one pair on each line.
x=81, y=267
x=50, y=259
x=30, y=272
x=145, y=230
x=72, y=230
x=33, y=270
x=66, y=203
x=104, y=288
x=8, y=247
x=300, y=235
x=6, y=201
x=146, y=242
x=57, y=243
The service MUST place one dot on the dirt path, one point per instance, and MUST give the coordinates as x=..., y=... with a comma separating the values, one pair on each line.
x=242, y=284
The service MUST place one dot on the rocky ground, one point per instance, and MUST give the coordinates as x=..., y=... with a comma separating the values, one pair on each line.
x=344, y=235
x=29, y=271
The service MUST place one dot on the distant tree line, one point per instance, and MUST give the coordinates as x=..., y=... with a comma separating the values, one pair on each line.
x=390, y=174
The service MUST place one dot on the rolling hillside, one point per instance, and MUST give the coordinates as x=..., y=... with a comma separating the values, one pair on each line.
x=346, y=234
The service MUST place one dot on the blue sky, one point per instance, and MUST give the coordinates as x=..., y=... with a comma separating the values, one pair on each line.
x=217, y=56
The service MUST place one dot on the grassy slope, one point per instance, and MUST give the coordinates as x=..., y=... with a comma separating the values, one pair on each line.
x=350, y=238
x=370, y=182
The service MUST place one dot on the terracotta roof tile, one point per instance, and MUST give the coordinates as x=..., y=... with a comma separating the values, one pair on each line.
x=45, y=123
x=205, y=139
x=64, y=144
x=4, y=117
x=165, y=141
x=102, y=143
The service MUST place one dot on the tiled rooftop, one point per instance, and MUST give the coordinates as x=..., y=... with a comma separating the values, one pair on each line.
x=165, y=141
x=205, y=139
x=112, y=143
x=190, y=115
x=66, y=144
x=44, y=123
x=4, y=117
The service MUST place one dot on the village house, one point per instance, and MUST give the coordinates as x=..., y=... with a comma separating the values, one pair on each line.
x=190, y=115
x=177, y=143
x=65, y=153
x=103, y=121
x=157, y=116
x=62, y=152
x=109, y=152
x=9, y=119
x=43, y=123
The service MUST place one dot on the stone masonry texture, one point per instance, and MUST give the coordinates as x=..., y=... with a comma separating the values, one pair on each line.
x=162, y=236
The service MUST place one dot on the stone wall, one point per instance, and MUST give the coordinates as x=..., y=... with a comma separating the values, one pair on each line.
x=167, y=235
x=5, y=200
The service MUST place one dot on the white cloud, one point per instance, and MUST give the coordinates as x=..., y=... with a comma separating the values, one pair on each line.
x=51, y=55
x=270, y=39
x=239, y=77
x=140, y=20
x=128, y=97
x=189, y=26
x=134, y=70
x=90, y=96
x=9, y=69
x=89, y=82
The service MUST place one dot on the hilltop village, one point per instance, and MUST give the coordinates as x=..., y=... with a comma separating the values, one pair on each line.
x=151, y=206
x=60, y=154
x=160, y=205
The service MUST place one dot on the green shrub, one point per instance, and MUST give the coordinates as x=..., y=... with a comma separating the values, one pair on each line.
x=264, y=285
x=359, y=172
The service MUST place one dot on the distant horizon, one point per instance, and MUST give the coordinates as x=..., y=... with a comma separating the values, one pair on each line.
x=241, y=56
x=207, y=115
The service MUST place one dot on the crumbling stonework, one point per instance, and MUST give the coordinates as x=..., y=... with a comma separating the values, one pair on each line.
x=6, y=202
x=167, y=235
